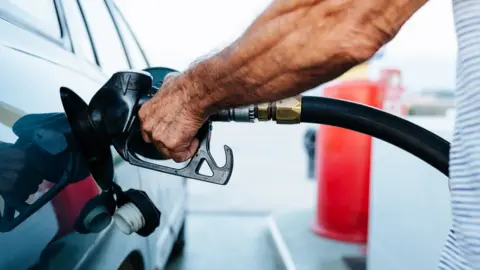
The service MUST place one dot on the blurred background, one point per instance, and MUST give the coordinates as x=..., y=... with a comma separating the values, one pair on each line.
x=409, y=211
x=300, y=197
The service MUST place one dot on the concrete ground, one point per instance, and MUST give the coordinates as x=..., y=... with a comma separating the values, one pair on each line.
x=226, y=242
x=227, y=225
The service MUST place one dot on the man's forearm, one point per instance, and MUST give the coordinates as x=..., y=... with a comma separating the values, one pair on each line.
x=294, y=46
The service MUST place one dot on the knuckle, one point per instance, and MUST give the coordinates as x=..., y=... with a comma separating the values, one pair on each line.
x=157, y=137
x=173, y=142
x=164, y=153
x=179, y=157
x=169, y=144
x=146, y=126
x=142, y=112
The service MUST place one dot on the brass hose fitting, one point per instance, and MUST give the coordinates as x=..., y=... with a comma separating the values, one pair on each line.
x=263, y=111
x=285, y=111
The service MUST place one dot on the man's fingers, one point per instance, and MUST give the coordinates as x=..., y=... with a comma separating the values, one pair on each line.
x=180, y=156
x=163, y=150
x=193, y=147
x=145, y=137
x=145, y=123
x=159, y=125
x=186, y=154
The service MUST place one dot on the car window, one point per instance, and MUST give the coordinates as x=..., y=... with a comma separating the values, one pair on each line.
x=137, y=59
x=42, y=14
x=110, y=52
x=78, y=31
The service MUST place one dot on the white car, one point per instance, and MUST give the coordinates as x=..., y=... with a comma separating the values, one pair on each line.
x=44, y=45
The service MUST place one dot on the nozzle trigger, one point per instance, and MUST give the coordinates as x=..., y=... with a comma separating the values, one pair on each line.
x=220, y=176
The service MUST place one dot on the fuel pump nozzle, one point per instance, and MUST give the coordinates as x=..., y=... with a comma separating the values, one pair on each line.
x=110, y=119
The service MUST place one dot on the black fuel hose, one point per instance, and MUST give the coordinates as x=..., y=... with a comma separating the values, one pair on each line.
x=392, y=129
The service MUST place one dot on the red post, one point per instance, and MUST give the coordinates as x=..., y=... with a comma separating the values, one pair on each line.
x=343, y=170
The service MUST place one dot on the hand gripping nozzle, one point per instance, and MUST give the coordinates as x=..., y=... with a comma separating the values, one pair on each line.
x=111, y=119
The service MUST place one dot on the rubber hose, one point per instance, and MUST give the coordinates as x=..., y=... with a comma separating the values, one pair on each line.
x=392, y=129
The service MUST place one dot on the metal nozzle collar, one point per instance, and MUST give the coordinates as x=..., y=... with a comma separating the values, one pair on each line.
x=241, y=114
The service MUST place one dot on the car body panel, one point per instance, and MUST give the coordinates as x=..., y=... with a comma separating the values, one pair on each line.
x=34, y=67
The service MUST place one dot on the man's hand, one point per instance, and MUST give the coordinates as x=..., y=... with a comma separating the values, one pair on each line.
x=171, y=119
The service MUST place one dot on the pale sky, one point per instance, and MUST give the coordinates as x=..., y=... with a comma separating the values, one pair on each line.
x=425, y=48
x=175, y=33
